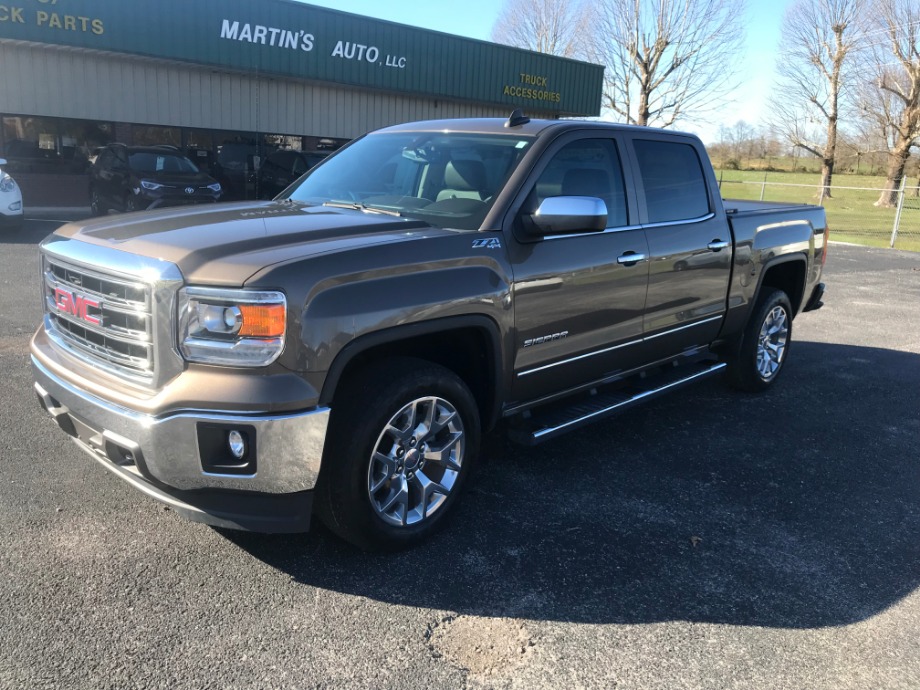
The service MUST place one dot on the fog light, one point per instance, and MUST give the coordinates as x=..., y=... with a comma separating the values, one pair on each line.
x=16, y=206
x=237, y=444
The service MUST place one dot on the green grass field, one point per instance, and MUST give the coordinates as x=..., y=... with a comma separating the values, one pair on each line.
x=851, y=214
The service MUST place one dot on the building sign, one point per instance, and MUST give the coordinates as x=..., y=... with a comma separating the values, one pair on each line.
x=291, y=39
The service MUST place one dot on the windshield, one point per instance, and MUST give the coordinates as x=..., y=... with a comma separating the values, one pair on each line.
x=147, y=162
x=446, y=179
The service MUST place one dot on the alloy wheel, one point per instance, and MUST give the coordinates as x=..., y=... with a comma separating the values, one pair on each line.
x=416, y=461
x=771, y=343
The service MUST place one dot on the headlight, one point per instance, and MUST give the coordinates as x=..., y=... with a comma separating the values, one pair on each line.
x=7, y=184
x=234, y=327
x=147, y=184
x=214, y=187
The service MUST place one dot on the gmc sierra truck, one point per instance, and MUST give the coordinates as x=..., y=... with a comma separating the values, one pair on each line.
x=340, y=349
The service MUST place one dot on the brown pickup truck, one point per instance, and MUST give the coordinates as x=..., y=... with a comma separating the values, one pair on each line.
x=342, y=347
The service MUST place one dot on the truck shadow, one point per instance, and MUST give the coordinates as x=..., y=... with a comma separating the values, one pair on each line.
x=799, y=508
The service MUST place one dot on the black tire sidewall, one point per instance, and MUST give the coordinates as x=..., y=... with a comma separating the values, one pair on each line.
x=365, y=406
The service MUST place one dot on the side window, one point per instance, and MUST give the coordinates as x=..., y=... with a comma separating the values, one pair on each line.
x=300, y=167
x=271, y=164
x=287, y=160
x=586, y=167
x=104, y=162
x=119, y=160
x=675, y=188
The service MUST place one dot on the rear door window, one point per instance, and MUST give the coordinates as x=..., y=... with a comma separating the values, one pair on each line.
x=675, y=188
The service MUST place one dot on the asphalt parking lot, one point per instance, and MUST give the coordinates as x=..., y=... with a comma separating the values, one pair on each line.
x=708, y=540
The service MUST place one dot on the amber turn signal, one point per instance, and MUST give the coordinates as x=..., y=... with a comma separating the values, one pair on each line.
x=262, y=321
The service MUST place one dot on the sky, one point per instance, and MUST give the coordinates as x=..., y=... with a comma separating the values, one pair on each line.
x=475, y=18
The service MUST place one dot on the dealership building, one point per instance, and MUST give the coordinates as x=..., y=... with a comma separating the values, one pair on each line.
x=229, y=81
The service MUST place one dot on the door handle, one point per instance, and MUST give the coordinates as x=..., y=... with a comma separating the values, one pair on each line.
x=631, y=258
x=717, y=245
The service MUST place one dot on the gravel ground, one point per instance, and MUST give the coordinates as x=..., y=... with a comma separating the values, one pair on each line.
x=708, y=540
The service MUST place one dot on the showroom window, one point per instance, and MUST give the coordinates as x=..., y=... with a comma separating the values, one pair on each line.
x=52, y=145
x=149, y=135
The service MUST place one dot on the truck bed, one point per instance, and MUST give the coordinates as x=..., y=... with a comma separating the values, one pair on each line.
x=749, y=218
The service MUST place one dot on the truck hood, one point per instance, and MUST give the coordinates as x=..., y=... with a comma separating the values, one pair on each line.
x=227, y=243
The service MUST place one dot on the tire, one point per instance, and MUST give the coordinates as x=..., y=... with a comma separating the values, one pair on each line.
x=97, y=208
x=764, y=348
x=390, y=478
x=130, y=204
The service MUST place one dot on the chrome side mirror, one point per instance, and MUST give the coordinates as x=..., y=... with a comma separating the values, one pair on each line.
x=570, y=214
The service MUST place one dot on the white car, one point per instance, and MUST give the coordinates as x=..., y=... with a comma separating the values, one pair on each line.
x=10, y=200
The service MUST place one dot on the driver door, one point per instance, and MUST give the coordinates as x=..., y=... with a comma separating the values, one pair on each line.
x=578, y=298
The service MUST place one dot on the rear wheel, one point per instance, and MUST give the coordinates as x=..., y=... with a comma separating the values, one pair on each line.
x=402, y=440
x=764, y=347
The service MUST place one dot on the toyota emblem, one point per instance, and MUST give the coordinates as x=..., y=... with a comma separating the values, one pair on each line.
x=189, y=190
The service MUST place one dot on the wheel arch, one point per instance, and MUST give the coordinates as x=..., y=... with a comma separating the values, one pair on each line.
x=786, y=273
x=470, y=346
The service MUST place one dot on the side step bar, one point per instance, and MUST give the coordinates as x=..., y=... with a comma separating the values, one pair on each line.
x=544, y=425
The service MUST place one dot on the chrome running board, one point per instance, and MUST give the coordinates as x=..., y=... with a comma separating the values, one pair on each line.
x=546, y=424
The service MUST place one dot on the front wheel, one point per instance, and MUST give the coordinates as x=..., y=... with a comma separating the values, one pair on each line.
x=764, y=348
x=402, y=441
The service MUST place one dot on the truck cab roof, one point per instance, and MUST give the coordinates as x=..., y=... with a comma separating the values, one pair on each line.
x=535, y=127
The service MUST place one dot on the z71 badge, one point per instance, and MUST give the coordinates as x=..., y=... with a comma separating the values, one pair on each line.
x=487, y=243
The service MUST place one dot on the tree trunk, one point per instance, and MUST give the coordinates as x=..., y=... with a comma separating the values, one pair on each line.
x=643, y=114
x=827, y=174
x=897, y=161
x=830, y=150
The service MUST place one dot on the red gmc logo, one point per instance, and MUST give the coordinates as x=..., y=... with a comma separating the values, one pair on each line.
x=77, y=305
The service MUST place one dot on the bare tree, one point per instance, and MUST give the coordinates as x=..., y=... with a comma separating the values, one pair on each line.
x=818, y=42
x=665, y=59
x=892, y=99
x=546, y=26
x=743, y=138
x=863, y=146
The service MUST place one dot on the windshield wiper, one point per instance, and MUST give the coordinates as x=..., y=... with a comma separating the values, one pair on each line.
x=359, y=206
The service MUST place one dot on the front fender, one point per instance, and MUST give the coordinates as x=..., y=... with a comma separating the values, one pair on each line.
x=342, y=313
x=496, y=354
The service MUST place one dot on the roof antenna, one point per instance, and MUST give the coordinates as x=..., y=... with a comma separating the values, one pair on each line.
x=517, y=118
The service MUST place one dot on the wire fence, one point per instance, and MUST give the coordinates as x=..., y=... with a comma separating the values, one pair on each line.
x=851, y=211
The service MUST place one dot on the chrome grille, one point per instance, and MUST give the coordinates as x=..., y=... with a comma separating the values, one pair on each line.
x=105, y=319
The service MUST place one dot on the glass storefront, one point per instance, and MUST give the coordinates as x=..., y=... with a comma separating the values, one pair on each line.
x=149, y=135
x=46, y=145
x=51, y=145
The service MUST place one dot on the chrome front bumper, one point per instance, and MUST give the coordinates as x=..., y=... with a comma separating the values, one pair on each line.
x=162, y=455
